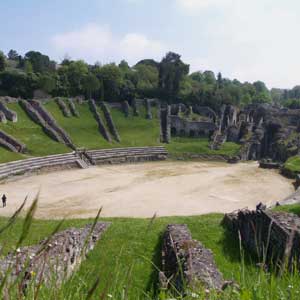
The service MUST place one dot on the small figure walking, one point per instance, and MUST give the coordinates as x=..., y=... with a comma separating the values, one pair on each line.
x=4, y=198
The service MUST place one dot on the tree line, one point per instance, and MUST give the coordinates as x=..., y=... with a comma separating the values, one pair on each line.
x=168, y=80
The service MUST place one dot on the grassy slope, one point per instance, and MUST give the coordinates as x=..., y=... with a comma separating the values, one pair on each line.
x=32, y=135
x=129, y=252
x=130, y=245
x=293, y=164
x=134, y=131
x=83, y=130
x=180, y=145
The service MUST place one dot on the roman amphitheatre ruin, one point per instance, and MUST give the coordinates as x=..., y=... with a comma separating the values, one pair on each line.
x=135, y=160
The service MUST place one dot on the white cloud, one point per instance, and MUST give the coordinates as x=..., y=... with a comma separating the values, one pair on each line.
x=248, y=40
x=94, y=42
x=194, y=6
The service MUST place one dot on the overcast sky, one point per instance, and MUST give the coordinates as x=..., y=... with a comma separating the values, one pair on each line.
x=243, y=39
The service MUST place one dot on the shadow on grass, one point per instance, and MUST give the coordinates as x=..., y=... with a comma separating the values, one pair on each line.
x=152, y=286
x=232, y=250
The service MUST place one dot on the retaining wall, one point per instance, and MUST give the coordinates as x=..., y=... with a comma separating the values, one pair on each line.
x=109, y=121
x=52, y=123
x=101, y=126
x=271, y=236
x=127, y=155
x=185, y=259
x=53, y=259
x=72, y=107
x=11, y=143
x=81, y=159
x=9, y=114
x=63, y=107
x=3, y=117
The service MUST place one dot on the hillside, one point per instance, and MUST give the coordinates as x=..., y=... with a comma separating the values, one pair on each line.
x=83, y=130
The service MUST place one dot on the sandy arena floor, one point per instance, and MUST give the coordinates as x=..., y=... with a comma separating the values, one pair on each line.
x=165, y=188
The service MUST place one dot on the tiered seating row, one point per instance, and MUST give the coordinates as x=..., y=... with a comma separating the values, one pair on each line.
x=134, y=154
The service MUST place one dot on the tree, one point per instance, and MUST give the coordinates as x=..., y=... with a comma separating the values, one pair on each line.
x=2, y=62
x=110, y=77
x=40, y=63
x=90, y=84
x=47, y=83
x=171, y=72
x=13, y=55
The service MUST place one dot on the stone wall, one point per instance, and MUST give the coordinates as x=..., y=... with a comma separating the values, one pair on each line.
x=101, y=126
x=11, y=143
x=126, y=108
x=52, y=123
x=9, y=114
x=127, y=155
x=135, y=108
x=271, y=236
x=109, y=121
x=73, y=109
x=40, y=164
x=37, y=118
x=185, y=259
x=53, y=259
x=148, y=109
x=165, y=124
x=63, y=107
x=182, y=127
x=3, y=118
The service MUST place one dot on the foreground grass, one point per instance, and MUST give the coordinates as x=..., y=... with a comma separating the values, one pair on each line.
x=127, y=259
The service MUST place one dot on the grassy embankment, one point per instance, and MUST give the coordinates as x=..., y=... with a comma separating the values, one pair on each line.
x=293, y=164
x=128, y=257
x=134, y=131
x=31, y=134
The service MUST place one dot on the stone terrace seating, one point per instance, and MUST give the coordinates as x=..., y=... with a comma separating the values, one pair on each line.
x=121, y=155
x=35, y=164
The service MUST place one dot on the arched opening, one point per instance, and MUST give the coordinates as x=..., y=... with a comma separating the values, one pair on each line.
x=182, y=132
x=192, y=133
x=202, y=133
x=173, y=131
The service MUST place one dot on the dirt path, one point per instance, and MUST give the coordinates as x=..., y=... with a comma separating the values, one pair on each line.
x=165, y=188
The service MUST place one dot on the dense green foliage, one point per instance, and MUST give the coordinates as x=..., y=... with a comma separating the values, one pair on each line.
x=168, y=80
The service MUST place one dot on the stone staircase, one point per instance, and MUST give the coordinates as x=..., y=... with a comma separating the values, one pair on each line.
x=128, y=155
x=218, y=139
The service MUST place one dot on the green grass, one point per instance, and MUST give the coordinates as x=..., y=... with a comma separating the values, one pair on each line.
x=134, y=132
x=83, y=130
x=182, y=145
x=32, y=135
x=128, y=255
x=6, y=156
x=137, y=131
x=293, y=208
x=293, y=164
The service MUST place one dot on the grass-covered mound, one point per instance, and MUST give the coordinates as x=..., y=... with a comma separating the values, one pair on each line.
x=127, y=260
x=293, y=164
x=31, y=134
